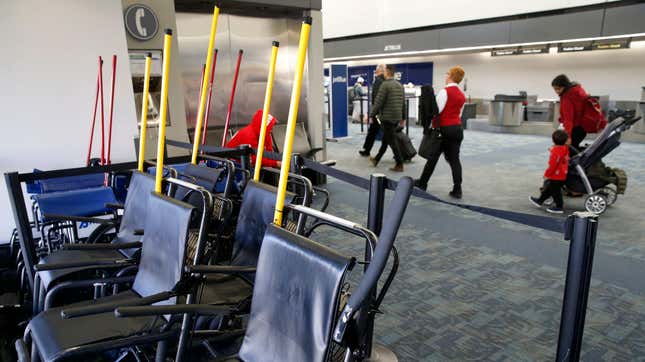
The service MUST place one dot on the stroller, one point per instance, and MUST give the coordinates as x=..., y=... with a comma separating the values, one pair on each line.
x=589, y=175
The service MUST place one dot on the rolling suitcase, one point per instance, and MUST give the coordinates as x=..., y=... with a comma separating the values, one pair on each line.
x=405, y=145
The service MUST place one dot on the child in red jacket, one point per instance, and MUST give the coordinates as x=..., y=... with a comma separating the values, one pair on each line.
x=555, y=174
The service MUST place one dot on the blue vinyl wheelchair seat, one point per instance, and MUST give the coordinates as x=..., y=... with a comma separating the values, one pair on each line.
x=124, y=245
x=92, y=327
x=82, y=202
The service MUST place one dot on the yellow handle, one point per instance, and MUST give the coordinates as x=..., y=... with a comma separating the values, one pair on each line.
x=144, y=112
x=207, y=74
x=265, y=111
x=161, y=142
x=291, y=123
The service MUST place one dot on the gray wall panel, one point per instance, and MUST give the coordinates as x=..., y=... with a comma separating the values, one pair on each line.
x=567, y=26
x=418, y=40
x=625, y=20
x=351, y=47
x=474, y=35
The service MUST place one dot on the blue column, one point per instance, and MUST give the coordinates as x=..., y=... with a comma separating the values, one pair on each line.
x=338, y=100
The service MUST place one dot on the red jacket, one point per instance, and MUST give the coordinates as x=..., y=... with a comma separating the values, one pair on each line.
x=558, y=163
x=250, y=135
x=576, y=110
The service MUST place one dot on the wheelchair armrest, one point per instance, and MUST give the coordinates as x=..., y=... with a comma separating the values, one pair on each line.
x=94, y=220
x=97, y=264
x=114, y=206
x=201, y=309
x=22, y=351
x=220, y=269
x=312, y=152
x=138, y=232
x=103, y=246
x=328, y=163
x=107, y=307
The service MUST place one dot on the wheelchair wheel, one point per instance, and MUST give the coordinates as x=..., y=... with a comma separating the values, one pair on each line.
x=596, y=203
x=610, y=194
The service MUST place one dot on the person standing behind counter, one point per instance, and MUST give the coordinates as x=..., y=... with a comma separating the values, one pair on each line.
x=389, y=105
x=374, y=127
x=447, y=132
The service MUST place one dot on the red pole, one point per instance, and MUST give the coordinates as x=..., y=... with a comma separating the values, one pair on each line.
x=96, y=103
x=208, y=100
x=199, y=99
x=230, y=101
x=102, y=111
x=109, y=150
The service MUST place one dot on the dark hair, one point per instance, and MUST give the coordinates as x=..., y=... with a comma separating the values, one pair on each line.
x=390, y=68
x=562, y=81
x=560, y=137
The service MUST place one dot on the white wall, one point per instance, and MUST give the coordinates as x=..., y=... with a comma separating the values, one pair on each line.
x=343, y=18
x=48, y=67
x=618, y=73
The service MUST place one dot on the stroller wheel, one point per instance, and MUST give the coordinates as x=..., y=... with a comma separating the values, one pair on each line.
x=609, y=194
x=596, y=203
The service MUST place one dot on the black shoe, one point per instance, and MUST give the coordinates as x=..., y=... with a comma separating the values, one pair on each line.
x=364, y=153
x=535, y=201
x=555, y=210
x=417, y=183
x=374, y=162
x=455, y=193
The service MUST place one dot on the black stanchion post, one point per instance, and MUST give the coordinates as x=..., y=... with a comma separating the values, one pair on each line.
x=360, y=100
x=376, y=205
x=328, y=110
x=245, y=159
x=407, y=117
x=580, y=230
x=23, y=226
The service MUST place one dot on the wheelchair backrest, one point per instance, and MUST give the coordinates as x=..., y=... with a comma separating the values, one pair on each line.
x=203, y=176
x=135, y=208
x=164, y=245
x=295, y=299
x=301, y=142
x=256, y=213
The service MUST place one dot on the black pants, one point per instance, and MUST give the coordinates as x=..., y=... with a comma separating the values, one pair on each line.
x=446, y=141
x=578, y=135
x=389, y=128
x=372, y=132
x=552, y=188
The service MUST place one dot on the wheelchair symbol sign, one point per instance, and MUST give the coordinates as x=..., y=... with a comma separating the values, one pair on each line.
x=141, y=22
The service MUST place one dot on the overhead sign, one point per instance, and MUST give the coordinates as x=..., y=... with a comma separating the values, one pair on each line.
x=594, y=45
x=141, y=22
x=504, y=52
x=391, y=47
x=523, y=50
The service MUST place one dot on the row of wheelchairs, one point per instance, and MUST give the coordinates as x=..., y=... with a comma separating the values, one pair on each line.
x=201, y=273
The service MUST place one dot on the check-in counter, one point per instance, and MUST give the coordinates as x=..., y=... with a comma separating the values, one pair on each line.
x=506, y=111
x=639, y=127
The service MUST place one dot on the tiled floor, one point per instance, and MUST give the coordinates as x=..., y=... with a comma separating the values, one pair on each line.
x=472, y=287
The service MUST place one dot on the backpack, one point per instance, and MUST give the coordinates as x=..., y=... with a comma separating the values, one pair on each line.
x=593, y=119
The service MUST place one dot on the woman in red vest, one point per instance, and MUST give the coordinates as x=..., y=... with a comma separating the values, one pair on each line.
x=447, y=132
x=579, y=114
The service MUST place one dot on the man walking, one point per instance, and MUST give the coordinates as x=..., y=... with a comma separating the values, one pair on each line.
x=389, y=105
x=374, y=127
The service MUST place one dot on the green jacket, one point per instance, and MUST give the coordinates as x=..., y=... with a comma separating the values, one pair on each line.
x=390, y=101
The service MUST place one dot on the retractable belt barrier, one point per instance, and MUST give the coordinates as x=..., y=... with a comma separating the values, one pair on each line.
x=537, y=221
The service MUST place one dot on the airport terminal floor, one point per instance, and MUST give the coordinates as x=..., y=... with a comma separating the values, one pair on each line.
x=474, y=287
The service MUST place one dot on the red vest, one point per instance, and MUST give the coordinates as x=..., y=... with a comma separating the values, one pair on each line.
x=451, y=114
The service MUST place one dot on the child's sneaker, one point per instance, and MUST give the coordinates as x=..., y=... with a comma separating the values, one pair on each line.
x=535, y=201
x=555, y=210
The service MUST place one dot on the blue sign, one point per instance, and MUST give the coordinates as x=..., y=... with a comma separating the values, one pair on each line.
x=417, y=73
x=338, y=100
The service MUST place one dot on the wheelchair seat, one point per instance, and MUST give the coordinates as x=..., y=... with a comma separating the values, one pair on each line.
x=160, y=269
x=135, y=210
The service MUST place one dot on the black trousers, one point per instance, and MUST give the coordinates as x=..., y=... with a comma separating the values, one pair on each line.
x=578, y=135
x=372, y=132
x=446, y=141
x=389, y=128
x=552, y=188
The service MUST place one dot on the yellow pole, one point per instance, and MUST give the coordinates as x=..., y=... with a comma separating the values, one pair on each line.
x=291, y=123
x=167, y=42
x=265, y=111
x=144, y=111
x=202, y=99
